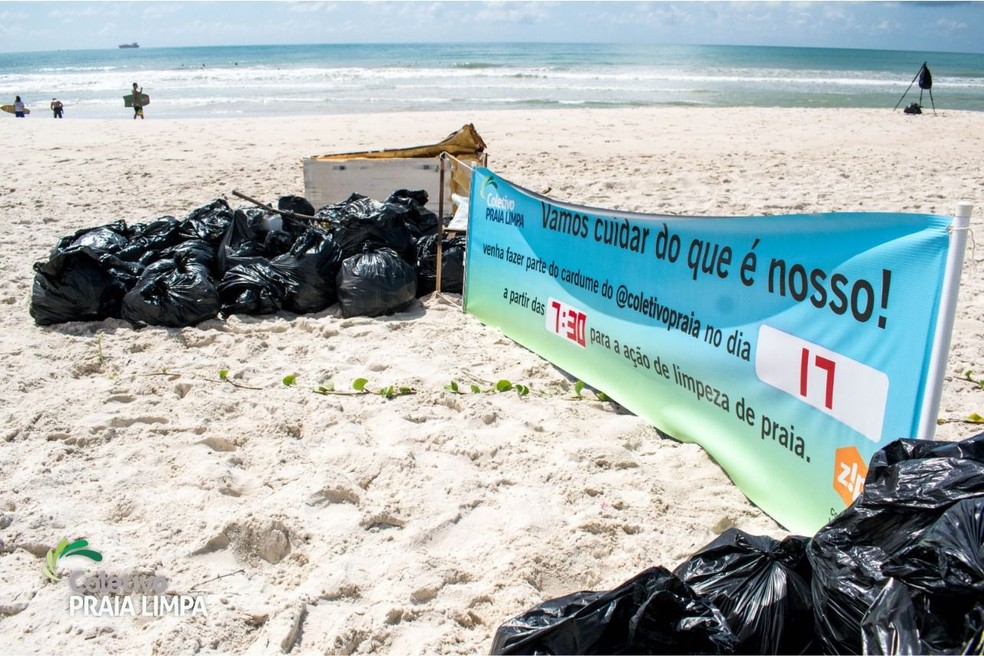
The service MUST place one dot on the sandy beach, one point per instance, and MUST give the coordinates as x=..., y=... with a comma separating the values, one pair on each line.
x=353, y=523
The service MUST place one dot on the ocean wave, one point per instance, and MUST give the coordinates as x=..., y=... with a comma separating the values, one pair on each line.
x=311, y=79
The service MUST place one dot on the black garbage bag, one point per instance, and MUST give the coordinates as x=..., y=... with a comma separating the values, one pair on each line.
x=909, y=487
x=906, y=620
x=255, y=232
x=208, y=222
x=146, y=240
x=452, y=264
x=405, y=196
x=356, y=205
x=255, y=287
x=652, y=613
x=312, y=264
x=374, y=283
x=83, y=278
x=196, y=250
x=77, y=284
x=172, y=292
x=296, y=205
x=949, y=558
x=361, y=223
x=420, y=220
x=936, y=584
x=109, y=238
x=974, y=626
x=761, y=585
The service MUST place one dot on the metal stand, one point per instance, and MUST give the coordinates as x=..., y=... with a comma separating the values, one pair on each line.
x=925, y=83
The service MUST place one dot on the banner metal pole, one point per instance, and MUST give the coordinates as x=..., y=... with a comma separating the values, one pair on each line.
x=944, y=323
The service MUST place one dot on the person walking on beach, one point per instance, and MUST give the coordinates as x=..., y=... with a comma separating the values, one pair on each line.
x=18, y=107
x=57, y=108
x=137, y=103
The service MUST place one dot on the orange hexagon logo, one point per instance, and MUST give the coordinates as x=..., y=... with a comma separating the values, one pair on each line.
x=850, y=470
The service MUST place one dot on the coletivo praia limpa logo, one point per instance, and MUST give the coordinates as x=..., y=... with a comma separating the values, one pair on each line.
x=108, y=594
x=63, y=550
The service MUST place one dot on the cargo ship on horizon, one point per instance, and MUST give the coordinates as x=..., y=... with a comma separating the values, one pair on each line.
x=129, y=45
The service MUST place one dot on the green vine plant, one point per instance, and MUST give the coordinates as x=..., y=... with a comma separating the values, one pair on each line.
x=360, y=387
x=579, y=387
x=224, y=377
x=969, y=376
x=974, y=418
x=501, y=386
x=99, y=352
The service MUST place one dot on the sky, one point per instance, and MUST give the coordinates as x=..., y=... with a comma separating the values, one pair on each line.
x=925, y=26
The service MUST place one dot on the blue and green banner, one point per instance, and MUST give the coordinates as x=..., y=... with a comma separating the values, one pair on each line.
x=790, y=347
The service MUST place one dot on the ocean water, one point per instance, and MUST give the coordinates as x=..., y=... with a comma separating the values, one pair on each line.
x=230, y=81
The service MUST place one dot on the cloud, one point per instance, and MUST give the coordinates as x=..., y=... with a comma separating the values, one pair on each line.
x=158, y=10
x=108, y=29
x=73, y=11
x=949, y=26
x=514, y=12
x=312, y=7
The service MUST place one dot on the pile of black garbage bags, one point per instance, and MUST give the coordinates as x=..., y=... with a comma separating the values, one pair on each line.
x=371, y=257
x=901, y=571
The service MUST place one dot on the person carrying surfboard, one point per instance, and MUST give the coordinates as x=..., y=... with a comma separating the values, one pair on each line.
x=137, y=102
x=18, y=107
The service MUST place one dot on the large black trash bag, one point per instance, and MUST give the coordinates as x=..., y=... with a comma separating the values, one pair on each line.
x=76, y=284
x=295, y=205
x=172, y=292
x=109, y=238
x=652, y=613
x=361, y=223
x=906, y=620
x=374, y=283
x=761, y=585
x=420, y=220
x=313, y=264
x=255, y=232
x=208, y=222
x=938, y=581
x=910, y=485
x=949, y=558
x=356, y=205
x=83, y=279
x=452, y=264
x=196, y=250
x=255, y=287
x=146, y=240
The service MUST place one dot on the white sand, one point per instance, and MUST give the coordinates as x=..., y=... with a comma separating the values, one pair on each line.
x=355, y=523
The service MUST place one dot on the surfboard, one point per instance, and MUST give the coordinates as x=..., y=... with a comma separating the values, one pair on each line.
x=128, y=100
x=10, y=109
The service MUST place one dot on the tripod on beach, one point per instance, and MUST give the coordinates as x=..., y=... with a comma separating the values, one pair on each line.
x=925, y=83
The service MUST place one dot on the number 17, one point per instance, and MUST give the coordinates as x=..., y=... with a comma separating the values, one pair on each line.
x=825, y=364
